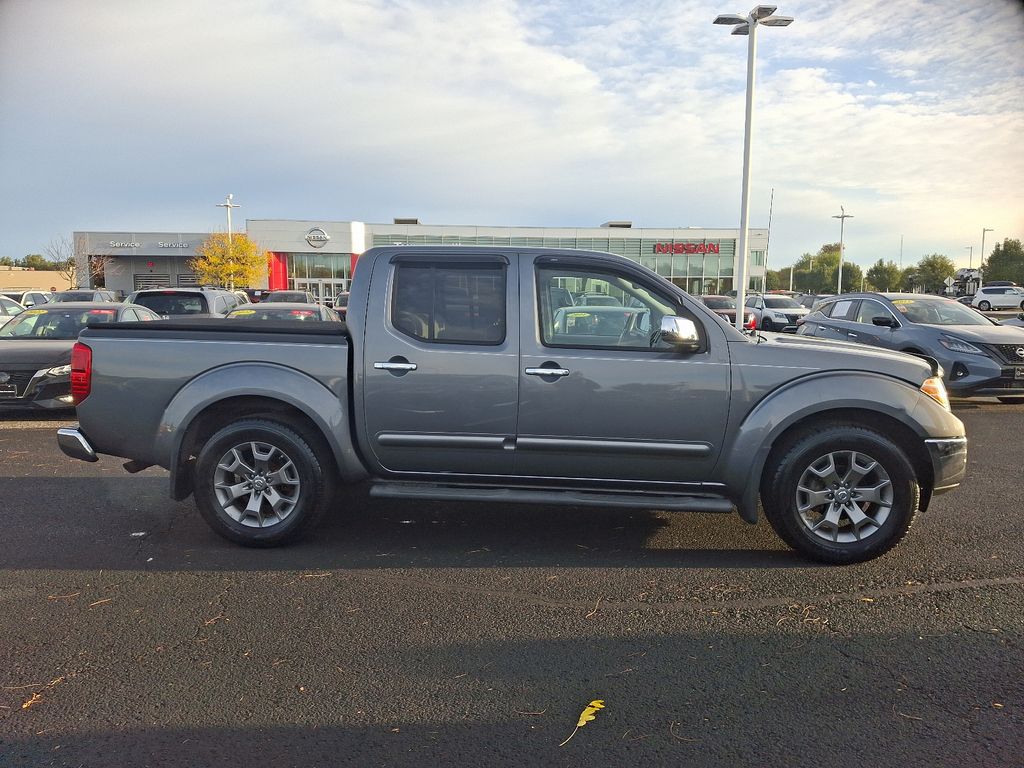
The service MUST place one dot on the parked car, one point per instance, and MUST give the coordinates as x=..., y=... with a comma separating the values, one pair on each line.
x=812, y=300
x=28, y=299
x=596, y=300
x=186, y=302
x=35, y=350
x=86, y=295
x=301, y=297
x=450, y=383
x=280, y=310
x=999, y=297
x=776, y=313
x=999, y=282
x=968, y=300
x=242, y=296
x=340, y=303
x=725, y=308
x=255, y=294
x=9, y=309
x=1017, y=321
x=979, y=357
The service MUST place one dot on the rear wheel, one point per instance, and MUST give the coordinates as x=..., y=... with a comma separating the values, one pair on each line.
x=258, y=483
x=984, y=306
x=842, y=494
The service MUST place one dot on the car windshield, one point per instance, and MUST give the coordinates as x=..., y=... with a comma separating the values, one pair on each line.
x=272, y=313
x=938, y=312
x=72, y=296
x=55, y=323
x=780, y=302
x=171, y=303
x=719, y=302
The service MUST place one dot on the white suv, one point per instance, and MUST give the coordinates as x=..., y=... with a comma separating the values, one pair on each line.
x=999, y=297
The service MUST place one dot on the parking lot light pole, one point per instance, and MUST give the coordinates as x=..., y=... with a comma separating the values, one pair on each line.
x=228, y=205
x=843, y=216
x=747, y=25
x=981, y=256
x=970, y=256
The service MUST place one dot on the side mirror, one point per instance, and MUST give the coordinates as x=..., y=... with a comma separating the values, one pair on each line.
x=885, y=321
x=681, y=333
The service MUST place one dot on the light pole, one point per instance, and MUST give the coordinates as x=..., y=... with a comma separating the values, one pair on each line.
x=843, y=216
x=970, y=256
x=228, y=205
x=982, y=254
x=747, y=25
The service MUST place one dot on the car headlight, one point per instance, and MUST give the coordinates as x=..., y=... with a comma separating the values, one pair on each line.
x=954, y=344
x=60, y=370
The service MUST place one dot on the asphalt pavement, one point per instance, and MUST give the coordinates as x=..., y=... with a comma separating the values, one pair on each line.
x=411, y=633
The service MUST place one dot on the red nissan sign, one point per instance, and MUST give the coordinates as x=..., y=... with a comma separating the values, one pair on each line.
x=686, y=247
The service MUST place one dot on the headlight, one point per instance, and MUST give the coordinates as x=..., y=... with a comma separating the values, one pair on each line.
x=936, y=390
x=959, y=345
x=60, y=370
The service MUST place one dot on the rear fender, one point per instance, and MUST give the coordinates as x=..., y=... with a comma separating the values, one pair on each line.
x=324, y=407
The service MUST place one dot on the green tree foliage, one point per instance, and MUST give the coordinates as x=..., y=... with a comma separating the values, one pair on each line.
x=6, y=261
x=1006, y=262
x=884, y=276
x=817, y=273
x=241, y=263
x=37, y=261
x=932, y=272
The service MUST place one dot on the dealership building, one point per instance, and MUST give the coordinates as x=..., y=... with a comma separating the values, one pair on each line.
x=321, y=256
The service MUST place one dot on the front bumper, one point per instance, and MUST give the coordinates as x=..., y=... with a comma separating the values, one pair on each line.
x=42, y=391
x=949, y=462
x=73, y=443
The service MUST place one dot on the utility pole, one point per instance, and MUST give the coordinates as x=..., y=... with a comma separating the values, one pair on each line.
x=843, y=216
x=901, y=251
x=767, y=245
x=982, y=255
x=228, y=205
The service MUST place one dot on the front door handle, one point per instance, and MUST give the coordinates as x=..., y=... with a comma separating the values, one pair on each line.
x=390, y=366
x=852, y=335
x=547, y=371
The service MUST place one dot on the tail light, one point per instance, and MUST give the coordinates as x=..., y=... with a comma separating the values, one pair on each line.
x=750, y=322
x=81, y=372
x=302, y=313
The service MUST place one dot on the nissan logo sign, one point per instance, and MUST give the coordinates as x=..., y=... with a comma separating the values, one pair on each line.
x=317, y=238
x=1020, y=351
x=4, y=378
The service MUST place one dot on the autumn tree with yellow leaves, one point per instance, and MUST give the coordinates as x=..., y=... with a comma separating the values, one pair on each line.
x=242, y=262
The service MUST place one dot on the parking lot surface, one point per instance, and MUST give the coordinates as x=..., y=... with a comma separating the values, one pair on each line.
x=419, y=633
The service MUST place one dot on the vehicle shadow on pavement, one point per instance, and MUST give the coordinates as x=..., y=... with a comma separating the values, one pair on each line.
x=721, y=696
x=121, y=522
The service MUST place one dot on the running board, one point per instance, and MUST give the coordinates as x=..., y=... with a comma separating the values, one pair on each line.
x=555, y=496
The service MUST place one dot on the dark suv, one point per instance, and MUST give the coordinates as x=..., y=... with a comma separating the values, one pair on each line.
x=185, y=302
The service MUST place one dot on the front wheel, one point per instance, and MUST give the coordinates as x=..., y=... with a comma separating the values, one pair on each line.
x=984, y=306
x=767, y=325
x=258, y=483
x=841, y=494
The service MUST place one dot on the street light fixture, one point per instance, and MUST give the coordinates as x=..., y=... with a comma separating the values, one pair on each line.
x=970, y=256
x=747, y=25
x=228, y=205
x=982, y=254
x=843, y=216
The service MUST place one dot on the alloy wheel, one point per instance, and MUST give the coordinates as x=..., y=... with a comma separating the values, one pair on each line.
x=256, y=484
x=844, y=496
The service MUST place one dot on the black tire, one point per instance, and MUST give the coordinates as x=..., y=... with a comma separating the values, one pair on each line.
x=779, y=494
x=984, y=306
x=305, y=492
x=1011, y=399
x=1022, y=305
x=767, y=325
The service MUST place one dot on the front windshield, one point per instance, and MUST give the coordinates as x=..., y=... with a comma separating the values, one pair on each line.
x=57, y=324
x=938, y=312
x=781, y=302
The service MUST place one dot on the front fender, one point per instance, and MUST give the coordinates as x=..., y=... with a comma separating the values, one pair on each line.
x=743, y=458
x=324, y=407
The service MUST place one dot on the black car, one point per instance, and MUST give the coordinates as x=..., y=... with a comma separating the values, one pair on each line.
x=295, y=297
x=281, y=310
x=979, y=357
x=35, y=350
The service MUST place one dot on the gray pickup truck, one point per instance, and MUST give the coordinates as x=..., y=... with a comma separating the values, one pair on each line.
x=482, y=374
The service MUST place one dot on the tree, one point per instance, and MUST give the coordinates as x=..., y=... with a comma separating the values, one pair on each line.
x=61, y=253
x=932, y=272
x=6, y=261
x=240, y=264
x=884, y=276
x=37, y=261
x=1006, y=262
x=818, y=273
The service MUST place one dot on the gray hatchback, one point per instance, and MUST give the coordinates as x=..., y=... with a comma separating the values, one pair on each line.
x=979, y=357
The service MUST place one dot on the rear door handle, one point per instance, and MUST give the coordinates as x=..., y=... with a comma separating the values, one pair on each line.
x=852, y=335
x=547, y=371
x=389, y=366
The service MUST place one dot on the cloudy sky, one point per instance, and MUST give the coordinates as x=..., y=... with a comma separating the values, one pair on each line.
x=142, y=114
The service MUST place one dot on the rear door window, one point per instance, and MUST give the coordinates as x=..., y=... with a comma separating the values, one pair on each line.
x=450, y=303
x=846, y=309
